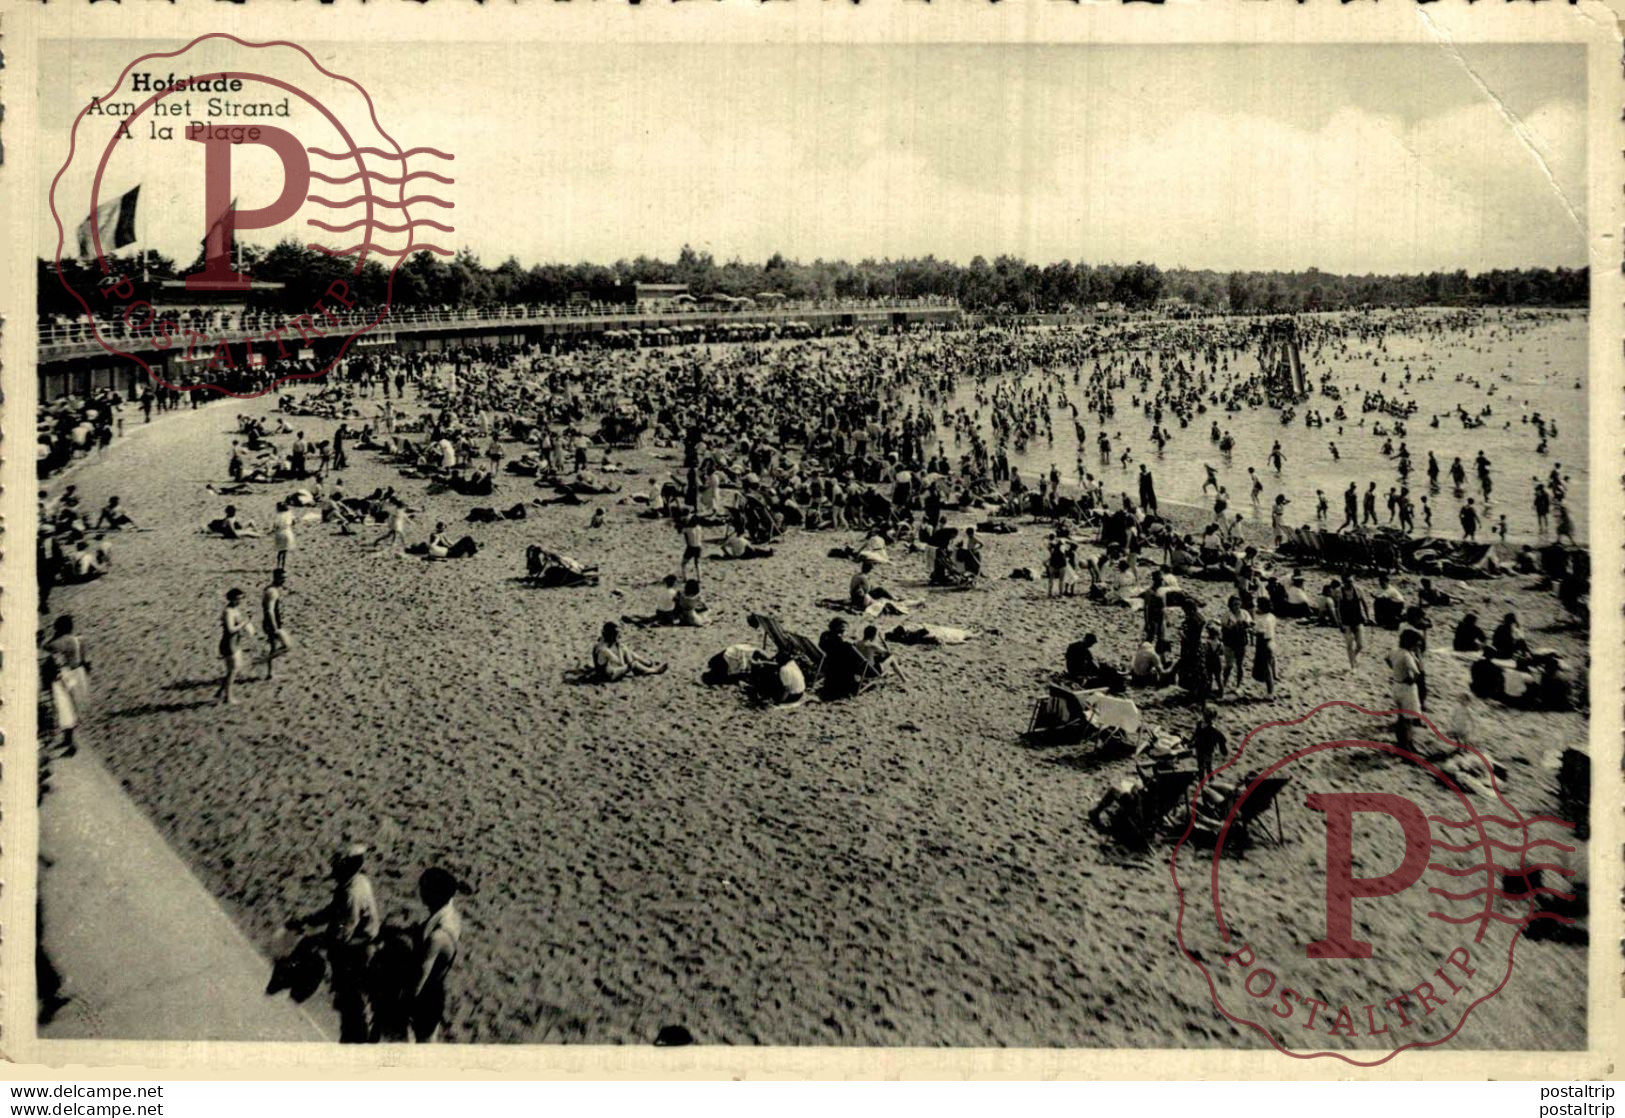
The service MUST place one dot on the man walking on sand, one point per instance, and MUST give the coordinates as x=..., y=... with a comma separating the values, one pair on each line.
x=276, y=633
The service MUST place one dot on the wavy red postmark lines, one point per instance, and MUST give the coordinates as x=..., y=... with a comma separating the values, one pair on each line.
x=1394, y=912
x=215, y=328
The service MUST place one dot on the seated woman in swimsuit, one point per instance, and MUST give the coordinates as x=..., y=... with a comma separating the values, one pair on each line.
x=863, y=591
x=736, y=546
x=439, y=542
x=112, y=516
x=1147, y=668
x=691, y=605
x=872, y=647
x=612, y=660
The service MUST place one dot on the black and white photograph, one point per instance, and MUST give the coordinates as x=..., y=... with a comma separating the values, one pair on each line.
x=814, y=545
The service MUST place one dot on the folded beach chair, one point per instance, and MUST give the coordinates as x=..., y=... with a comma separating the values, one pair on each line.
x=1385, y=555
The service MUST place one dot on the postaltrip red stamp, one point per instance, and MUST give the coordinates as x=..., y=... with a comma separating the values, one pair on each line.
x=1392, y=914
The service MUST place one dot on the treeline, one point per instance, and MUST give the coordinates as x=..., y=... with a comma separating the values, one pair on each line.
x=1005, y=283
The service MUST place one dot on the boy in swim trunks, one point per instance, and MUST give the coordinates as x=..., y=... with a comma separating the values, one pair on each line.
x=276, y=634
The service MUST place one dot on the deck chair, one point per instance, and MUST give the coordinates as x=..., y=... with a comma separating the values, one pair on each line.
x=1069, y=717
x=1114, y=712
x=1163, y=800
x=804, y=651
x=1265, y=797
x=878, y=675
x=1060, y=716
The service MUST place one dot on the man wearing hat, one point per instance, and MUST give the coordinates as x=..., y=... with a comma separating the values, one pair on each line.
x=352, y=934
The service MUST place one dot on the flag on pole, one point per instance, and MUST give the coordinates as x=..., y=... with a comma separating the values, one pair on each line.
x=113, y=223
x=215, y=241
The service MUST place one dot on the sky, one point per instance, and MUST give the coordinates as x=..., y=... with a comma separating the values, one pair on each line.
x=1346, y=158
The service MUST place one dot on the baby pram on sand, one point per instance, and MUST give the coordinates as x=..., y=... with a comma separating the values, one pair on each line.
x=548, y=569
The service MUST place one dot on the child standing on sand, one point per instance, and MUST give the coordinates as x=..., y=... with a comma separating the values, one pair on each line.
x=691, y=545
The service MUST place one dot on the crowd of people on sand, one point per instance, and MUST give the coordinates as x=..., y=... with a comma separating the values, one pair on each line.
x=862, y=438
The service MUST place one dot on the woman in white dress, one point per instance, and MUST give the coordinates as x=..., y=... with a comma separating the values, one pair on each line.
x=1406, y=669
x=282, y=533
x=70, y=682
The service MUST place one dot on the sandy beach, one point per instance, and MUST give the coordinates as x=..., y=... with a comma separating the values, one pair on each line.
x=898, y=869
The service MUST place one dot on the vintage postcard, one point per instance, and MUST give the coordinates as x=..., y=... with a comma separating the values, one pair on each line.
x=812, y=539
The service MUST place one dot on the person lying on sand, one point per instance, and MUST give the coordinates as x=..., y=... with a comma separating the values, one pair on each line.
x=1429, y=595
x=565, y=497
x=613, y=661
x=549, y=568
x=232, y=527
x=929, y=635
x=586, y=483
